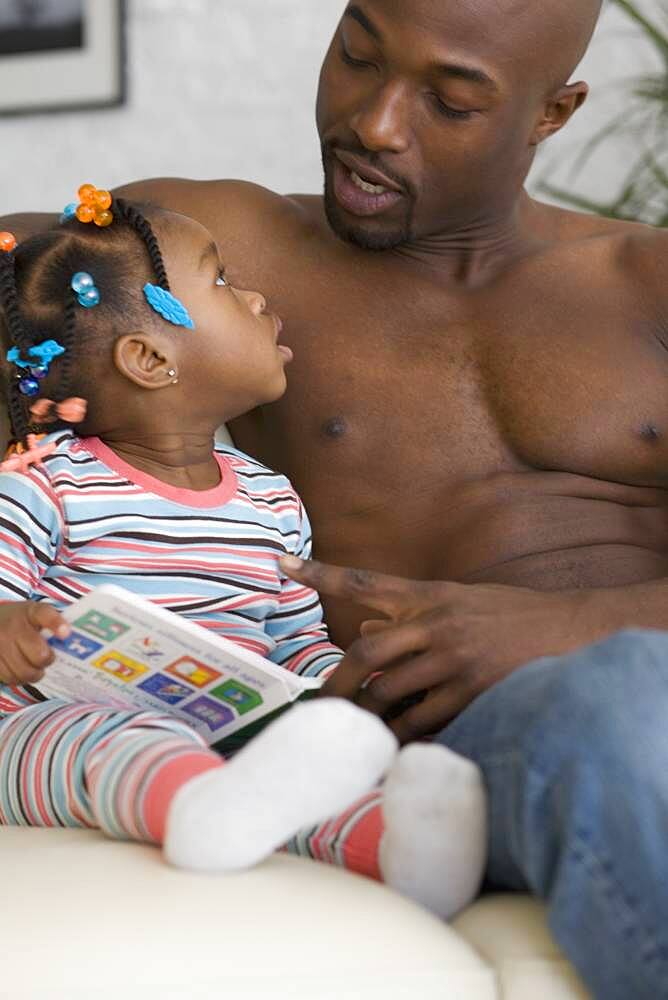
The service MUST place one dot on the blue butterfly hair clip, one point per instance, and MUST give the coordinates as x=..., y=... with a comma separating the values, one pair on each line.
x=168, y=306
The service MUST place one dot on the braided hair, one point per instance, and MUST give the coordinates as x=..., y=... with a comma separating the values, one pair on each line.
x=36, y=296
x=17, y=335
x=133, y=217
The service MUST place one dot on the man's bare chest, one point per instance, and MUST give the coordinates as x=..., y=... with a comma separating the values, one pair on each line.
x=480, y=391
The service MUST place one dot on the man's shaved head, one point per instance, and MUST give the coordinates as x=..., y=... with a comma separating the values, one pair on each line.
x=444, y=103
x=556, y=33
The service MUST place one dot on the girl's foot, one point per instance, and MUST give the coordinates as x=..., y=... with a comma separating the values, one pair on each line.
x=435, y=842
x=306, y=766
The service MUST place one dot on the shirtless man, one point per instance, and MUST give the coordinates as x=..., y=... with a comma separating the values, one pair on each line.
x=480, y=397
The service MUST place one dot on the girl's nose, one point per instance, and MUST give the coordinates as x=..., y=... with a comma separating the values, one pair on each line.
x=256, y=301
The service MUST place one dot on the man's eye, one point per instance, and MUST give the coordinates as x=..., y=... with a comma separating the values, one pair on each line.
x=351, y=61
x=221, y=279
x=452, y=113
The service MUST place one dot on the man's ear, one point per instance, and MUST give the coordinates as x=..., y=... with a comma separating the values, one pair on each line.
x=144, y=360
x=559, y=109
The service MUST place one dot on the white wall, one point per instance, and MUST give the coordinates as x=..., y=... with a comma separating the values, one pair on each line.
x=222, y=88
x=618, y=53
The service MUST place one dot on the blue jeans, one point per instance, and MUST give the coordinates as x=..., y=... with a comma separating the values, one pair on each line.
x=574, y=750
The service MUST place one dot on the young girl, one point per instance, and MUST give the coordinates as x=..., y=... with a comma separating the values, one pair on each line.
x=148, y=366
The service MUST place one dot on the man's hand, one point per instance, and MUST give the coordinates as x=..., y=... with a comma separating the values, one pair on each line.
x=24, y=652
x=442, y=644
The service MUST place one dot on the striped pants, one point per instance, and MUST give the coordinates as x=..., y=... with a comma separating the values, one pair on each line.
x=78, y=765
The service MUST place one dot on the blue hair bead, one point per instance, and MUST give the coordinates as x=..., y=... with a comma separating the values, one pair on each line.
x=90, y=298
x=69, y=212
x=28, y=386
x=81, y=282
x=39, y=371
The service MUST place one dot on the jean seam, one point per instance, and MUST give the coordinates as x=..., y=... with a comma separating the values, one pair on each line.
x=601, y=870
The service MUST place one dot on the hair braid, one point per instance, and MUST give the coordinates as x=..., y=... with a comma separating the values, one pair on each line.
x=68, y=337
x=10, y=302
x=10, y=305
x=142, y=227
x=17, y=412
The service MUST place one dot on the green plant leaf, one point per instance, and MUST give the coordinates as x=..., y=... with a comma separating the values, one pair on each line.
x=651, y=30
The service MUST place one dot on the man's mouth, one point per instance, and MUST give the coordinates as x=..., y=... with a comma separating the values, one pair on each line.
x=366, y=186
x=361, y=189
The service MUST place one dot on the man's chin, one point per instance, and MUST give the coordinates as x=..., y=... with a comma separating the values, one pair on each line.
x=366, y=234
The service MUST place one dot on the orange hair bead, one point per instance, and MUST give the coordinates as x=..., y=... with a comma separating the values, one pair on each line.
x=102, y=200
x=103, y=219
x=7, y=242
x=87, y=194
x=85, y=213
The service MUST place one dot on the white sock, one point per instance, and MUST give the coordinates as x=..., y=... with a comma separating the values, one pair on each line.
x=306, y=766
x=435, y=842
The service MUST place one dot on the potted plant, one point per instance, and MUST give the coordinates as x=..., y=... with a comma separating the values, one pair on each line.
x=643, y=192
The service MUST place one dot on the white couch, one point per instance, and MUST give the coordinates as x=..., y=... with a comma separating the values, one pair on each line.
x=85, y=918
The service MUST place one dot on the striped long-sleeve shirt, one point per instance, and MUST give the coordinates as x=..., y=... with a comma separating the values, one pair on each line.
x=85, y=517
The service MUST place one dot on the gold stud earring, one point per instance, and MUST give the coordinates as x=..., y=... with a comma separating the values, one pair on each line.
x=171, y=373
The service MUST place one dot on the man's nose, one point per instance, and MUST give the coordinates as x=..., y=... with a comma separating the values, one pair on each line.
x=382, y=122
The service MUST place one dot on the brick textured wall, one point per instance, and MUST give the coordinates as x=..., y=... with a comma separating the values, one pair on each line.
x=222, y=88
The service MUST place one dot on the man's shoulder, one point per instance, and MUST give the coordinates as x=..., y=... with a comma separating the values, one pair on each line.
x=630, y=251
x=224, y=205
x=641, y=264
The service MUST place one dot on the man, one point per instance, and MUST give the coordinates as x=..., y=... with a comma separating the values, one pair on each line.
x=479, y=397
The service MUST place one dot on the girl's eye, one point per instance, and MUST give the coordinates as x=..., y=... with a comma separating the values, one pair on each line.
x=221, y=279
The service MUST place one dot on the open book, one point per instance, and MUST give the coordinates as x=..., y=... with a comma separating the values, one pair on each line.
x=129, y=653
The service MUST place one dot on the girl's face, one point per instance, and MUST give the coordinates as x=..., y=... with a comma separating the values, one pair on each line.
x=233, y=356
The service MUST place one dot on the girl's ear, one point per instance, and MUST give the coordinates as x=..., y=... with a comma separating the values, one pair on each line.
x=144, y=360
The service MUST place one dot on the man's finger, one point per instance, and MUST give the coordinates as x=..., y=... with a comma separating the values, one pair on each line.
x=390, y=594
x=405, y=680
x=431, y=715
x=372, y=654
x=375, y=625
x=42, y=615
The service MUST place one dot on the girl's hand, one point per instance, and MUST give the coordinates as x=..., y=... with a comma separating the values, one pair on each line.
x=24, y=652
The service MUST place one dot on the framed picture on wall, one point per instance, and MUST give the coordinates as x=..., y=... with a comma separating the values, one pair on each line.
x=60, y=55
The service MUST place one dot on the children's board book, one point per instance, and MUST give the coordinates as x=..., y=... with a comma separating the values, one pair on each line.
x=127, y=652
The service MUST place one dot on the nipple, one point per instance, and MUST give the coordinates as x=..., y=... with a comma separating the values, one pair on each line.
x=650, y=433
x=335, y=427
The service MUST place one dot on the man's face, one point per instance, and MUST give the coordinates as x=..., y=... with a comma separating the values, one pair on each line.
x=425, y=114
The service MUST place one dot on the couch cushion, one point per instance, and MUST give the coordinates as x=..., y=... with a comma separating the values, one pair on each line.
x=511, y=933
x=82, y=916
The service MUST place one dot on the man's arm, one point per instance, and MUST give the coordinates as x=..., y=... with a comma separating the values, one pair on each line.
x=245, y=219
x=25, y=224
x=236, y=212
x=442, y=644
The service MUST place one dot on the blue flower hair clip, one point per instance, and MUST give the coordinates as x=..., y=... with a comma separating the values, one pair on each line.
x=44, y=352
x=47, y=351
x=37, y=366
x=168, y=306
